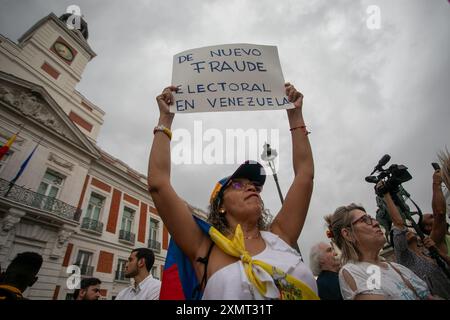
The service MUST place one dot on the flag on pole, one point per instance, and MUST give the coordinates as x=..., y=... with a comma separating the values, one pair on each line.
x=5, y=148
x=24, y=165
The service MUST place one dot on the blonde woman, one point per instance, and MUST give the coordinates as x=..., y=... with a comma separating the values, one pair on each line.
x=364, y=276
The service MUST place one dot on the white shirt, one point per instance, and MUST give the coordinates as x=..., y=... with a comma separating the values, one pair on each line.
x=231, y=283
x=147, y=289
x=371, y=279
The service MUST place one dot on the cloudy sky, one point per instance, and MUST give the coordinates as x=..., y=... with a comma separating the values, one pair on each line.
x=367, y=92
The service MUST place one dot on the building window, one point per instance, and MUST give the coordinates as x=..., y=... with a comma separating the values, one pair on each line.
x=125, y=233
x=84, y=259
x=154, y=229
x=69, y=296
x=91, y=221
x=48, y=190
x=5, y=159
x=153, y=242
x=127, y=219
x=51, y=184
x=120, y=271
x=95, y=206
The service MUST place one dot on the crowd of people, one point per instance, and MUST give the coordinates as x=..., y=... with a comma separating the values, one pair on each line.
x=421, y=268
x=22, y=274
x=243, y=255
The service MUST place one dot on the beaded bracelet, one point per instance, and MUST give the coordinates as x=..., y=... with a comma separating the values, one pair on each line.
x=306, y=132
x=166, y=131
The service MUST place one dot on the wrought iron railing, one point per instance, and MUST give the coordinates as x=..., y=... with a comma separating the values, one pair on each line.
x=154, y=245
x=127, y=236
x=91, y=224
x=36, y=200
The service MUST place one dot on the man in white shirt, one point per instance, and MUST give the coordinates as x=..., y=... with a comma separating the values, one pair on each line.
x=145, y=287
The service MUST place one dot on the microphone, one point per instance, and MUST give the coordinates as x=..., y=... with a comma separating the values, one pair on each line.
x=385, y=159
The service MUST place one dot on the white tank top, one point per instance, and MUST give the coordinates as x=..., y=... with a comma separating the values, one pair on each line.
x=231, y=283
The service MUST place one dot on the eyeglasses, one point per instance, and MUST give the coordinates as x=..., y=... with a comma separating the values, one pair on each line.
x=366, y=219
x=242, y=185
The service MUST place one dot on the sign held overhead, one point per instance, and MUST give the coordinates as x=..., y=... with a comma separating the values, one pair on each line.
x=231, y=77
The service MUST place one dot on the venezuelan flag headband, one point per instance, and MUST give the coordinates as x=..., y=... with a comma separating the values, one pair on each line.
x=179, y=279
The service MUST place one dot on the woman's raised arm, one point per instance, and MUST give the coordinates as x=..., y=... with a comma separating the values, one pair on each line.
x=290, y=220
x=172, y=209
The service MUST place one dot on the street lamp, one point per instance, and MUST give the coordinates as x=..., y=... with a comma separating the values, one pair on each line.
x=269, y=155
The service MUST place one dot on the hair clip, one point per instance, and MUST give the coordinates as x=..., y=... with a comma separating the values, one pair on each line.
x=330, y=234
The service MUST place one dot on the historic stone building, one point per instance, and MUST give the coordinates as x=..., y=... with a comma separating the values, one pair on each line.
x=74, y=203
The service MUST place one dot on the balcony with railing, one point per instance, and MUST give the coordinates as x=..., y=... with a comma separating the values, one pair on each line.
x=92, y=225
x=127, y=237
x=26, y=197
x=154, y=245
x=85, y=270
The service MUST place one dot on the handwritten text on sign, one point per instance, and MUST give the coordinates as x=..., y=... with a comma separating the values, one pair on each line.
x=228, y=78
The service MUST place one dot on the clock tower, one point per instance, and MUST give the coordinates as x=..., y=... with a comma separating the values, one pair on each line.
x=54, y=55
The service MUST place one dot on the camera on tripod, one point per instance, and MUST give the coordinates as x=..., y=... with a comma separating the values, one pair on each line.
x=393, y=176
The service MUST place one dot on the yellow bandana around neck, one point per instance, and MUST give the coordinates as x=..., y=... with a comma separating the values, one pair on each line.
x=290, y=287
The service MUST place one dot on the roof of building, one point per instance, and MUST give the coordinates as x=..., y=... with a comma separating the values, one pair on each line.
x=74, y=34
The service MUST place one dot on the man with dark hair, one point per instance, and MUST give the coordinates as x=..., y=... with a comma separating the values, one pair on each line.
x=145, y=287
x=20, y=274
x=89, y=289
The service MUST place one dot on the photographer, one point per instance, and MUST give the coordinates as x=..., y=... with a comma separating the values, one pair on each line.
x=411, y=252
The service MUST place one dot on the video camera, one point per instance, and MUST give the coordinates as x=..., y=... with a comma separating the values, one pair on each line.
x=394, y=176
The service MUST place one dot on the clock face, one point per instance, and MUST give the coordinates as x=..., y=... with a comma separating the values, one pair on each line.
x=63, y=51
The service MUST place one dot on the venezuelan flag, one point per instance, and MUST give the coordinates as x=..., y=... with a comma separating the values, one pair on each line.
x=179, y=281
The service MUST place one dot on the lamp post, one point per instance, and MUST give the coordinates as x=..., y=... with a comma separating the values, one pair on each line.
x=269, y=155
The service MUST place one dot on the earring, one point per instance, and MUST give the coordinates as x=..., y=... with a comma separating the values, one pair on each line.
x=222, y=211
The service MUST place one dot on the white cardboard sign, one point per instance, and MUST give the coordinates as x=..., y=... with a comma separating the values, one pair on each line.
x=231, y=77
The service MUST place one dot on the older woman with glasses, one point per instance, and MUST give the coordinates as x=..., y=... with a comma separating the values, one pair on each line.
x=242, y=256
x=364, y=276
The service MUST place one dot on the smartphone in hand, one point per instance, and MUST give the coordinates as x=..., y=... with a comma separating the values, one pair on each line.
x=435, y=166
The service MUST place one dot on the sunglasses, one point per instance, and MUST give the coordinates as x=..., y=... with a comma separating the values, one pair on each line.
x=366, y=219
x=242, y=185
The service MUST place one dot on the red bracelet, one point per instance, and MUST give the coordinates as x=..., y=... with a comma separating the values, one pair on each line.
x=306, y=132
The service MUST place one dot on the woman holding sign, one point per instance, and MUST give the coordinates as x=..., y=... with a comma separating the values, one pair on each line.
x=240, y=256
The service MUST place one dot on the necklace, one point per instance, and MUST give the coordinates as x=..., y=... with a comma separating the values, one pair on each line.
x=252, y=237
